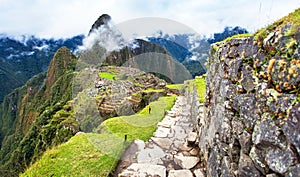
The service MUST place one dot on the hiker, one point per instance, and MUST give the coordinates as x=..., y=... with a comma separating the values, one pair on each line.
x=149, y=109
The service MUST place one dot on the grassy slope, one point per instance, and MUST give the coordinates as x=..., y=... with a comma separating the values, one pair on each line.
x=292, y=19
x=139, y=126
x=106, y=75
x=80, y=156
x=97, y=154
x=201, y=88
x=200, y=84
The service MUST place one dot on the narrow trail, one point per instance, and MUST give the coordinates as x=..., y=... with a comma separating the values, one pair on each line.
x=170, y=152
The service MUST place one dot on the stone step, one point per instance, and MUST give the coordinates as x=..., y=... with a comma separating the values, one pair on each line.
x=186, y=162
x=138, y=169
x=162, y=132
x=180, y=173
x=199, y=173
x=169, y=152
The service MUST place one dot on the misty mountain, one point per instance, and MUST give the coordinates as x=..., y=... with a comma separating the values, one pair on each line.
x=188, y=49
x=23, y=57
x=228, y=31
x=192, y=50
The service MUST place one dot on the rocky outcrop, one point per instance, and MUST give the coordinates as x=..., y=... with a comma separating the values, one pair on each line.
x=102, y=20
x=251, y=124
x=125, y=93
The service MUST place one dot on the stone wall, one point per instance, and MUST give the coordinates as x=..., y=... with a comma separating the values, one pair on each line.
x=251, y=125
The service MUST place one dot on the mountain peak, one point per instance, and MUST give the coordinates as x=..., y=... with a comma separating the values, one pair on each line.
x=103, y=19
x=62, y=61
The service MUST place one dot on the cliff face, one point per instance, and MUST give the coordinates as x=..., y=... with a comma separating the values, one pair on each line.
x=252, y=117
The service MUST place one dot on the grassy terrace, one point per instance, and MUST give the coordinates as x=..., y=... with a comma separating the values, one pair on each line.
x=175, y=86
x=91, y=154
x=141, y=125
x=200, y=84
x=107, y=75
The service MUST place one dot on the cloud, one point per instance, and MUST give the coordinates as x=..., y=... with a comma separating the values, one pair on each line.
x=57, y=18
x=106, y=36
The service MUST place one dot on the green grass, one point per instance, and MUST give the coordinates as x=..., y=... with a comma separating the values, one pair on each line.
x=201, y=88
x=153, y=90
x=82, y=155
x=237, y=36
x=107, y=75
x=200, y=84
x=91, y=154
x=141, y=125
x=175, y=86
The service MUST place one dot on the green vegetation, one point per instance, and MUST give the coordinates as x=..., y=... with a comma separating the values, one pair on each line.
x=200, y=84
x=91, y=154
x=82, y=155
x=107, y=75
x=35, y=120
x=153, y=90
x=238, y=36
x=141, y=125
x=215, y=47
x=293, y=19
x=201, y=88
x=175, y=86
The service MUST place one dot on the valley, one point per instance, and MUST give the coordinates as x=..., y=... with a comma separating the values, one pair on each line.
x=142, y=111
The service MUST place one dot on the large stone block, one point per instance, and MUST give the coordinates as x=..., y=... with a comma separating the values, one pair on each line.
x=291, y=128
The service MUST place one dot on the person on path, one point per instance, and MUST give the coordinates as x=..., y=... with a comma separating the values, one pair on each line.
x=149, y=109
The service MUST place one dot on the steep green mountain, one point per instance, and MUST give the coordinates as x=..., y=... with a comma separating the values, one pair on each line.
x=27, y=125
x=73, y=95
x=251, y=122
x=78, y=94
x=91, y=154
x=22, y=58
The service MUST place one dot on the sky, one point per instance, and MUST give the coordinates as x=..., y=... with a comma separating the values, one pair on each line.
x=67, y=18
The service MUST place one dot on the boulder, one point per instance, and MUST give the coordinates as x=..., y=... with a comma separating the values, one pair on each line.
x=280, y=160
x=291, y=127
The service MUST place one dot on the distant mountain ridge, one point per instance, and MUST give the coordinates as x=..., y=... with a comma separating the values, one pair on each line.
x=21, y=59
x=39, y=114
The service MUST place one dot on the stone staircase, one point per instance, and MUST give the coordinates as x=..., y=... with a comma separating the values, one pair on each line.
x=172, y=151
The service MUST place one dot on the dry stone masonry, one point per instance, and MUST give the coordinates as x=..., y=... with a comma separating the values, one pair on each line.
x=251, y=121
x=251, y=125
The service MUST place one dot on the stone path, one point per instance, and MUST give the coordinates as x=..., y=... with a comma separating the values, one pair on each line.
x=170, y=152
